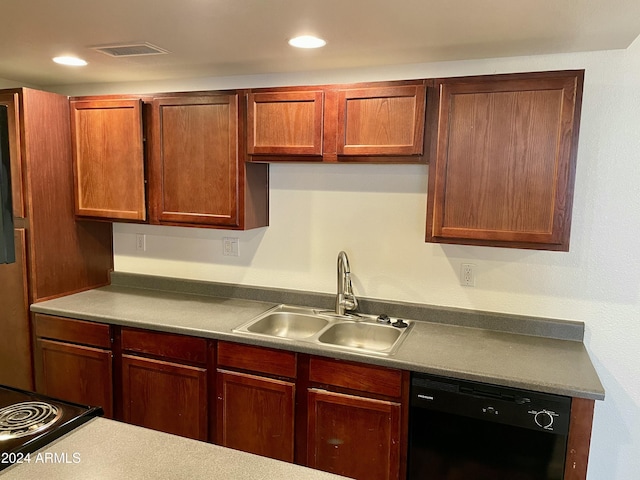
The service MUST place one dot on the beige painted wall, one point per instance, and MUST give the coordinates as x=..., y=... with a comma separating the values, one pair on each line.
x=376, y=214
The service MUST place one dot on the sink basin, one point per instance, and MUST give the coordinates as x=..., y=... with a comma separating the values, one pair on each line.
x=288, y=325
x=360, y=335
x=355, y=332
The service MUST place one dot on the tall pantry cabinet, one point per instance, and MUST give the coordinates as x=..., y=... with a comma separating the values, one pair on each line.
x=55, y=255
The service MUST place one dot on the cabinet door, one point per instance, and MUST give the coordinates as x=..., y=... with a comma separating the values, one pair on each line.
x=165, y=396
x=285, y=123
x=256, y=414
x=194, y=160
x=353, y=436
x=108, y=159
x=385, y=121
x=504, y=160
x=75, y=373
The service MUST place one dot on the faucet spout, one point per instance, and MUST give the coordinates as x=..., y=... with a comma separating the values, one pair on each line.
x=345, y=299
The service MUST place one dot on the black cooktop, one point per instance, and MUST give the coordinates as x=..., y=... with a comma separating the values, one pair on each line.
x=29, y=421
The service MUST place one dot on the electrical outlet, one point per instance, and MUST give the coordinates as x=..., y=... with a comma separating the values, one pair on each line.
x=141, y=242
x=231, y=247
x=467, y=275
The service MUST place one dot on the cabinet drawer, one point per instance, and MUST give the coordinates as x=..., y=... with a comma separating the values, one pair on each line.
x=166, y=345
x=257, y=359
x=75, y=331
x=356, y=376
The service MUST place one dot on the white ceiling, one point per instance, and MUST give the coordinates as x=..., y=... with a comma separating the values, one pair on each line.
x=240, y=37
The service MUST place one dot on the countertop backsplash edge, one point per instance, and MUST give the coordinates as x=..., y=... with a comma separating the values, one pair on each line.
x=510, y=323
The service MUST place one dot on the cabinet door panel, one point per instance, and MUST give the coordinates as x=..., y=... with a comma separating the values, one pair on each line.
x=75, y=373
x=194, y=169
x=285, y=123
x=353, y=436
x=505, y=162
x=256, y=414
x=165, y=396
x=108, y=158
x=381, y=121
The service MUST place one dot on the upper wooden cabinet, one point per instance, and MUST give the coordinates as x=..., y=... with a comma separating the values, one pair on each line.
x=503, y=157
x=375, y=122
x=285, y=123
x=108, y=156
x=195, y=173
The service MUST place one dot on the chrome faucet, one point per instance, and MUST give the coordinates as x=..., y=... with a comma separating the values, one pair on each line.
x=345, y=299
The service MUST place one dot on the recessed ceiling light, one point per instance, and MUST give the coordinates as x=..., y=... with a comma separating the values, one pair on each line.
x=71, y=61
x=307, y=41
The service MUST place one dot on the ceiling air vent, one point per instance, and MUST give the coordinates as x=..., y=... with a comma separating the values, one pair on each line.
x=131, y=50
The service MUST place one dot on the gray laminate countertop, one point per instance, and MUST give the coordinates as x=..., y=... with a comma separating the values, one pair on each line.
x=532, y=362
x=105, y=449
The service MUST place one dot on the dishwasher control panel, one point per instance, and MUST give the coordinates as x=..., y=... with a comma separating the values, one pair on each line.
x=511, y=406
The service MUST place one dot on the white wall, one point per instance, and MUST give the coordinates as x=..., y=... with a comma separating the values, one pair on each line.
x=377, y=214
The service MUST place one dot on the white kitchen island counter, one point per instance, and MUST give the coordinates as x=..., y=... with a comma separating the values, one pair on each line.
x=105, y=449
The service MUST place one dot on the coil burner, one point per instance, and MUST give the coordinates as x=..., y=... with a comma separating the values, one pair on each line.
x=26, y=418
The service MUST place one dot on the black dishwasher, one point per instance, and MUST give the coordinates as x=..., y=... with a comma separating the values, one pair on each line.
x=462, y=430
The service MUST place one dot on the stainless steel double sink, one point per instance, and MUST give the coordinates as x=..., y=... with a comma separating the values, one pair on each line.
x=368, y=334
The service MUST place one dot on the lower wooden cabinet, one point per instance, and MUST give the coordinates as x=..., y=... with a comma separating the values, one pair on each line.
x=74, y=362
x=344, y=417
x=256, y=400
x=354, y=436
x=357, y=419
x=165, y=396
x=256, y=414
x=164, y=382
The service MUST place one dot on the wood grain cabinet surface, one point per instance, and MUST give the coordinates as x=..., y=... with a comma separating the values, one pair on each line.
x=503, y=158
x=256, y=414
x=108, y=155
x=354, y=436
x=55, y=255
x=374, y=123
x=74, y=361
x=196, y=176
x=256, y=400
x=164, y=382
x=357, y=419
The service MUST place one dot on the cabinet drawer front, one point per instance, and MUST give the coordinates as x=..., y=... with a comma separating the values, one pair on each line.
x=168, y=345
x=355, y=376
x=257, y=359
x=76, y=331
